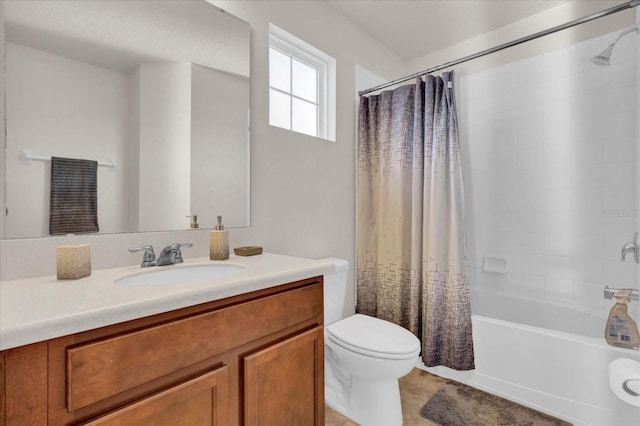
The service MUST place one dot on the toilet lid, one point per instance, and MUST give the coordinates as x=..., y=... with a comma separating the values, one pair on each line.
x=371, y=336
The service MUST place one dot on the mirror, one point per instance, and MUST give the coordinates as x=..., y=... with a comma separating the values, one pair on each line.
x=156, y=91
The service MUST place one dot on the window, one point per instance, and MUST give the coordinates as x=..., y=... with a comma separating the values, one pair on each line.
x=301, y=86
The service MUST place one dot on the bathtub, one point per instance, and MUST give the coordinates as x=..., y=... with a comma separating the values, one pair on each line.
x=563, y=373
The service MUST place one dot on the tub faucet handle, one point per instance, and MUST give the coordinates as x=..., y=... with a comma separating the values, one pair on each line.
x=632, y=248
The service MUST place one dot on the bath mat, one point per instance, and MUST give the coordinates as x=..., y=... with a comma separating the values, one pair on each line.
x=457, y=404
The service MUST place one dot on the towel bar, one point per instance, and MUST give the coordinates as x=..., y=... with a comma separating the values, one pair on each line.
x=26, y=157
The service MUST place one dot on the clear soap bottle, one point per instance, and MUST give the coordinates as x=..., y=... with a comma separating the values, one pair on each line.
x=219, y=242
x=622, y=330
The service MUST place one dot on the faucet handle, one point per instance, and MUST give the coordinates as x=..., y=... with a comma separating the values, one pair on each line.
x=633, y=247
x=176, y=247
x=149, y=257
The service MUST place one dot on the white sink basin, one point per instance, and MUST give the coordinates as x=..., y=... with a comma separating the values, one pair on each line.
x=157, y=275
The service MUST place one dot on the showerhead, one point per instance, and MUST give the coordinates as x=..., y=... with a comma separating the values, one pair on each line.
x=604, y=58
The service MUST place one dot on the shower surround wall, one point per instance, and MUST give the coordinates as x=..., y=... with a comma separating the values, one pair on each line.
x=549, y=149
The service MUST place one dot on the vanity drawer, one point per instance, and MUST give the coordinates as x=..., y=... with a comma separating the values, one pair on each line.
x=199, y=401
x=101, y=369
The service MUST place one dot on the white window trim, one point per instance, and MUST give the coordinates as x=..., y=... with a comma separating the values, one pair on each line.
x=326, y=66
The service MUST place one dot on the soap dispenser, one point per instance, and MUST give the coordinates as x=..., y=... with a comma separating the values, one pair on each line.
x=622, y=330
x=219, y=242
x=194, y=221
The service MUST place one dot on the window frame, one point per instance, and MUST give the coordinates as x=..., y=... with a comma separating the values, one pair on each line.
x=324, y=64
x=318, y=87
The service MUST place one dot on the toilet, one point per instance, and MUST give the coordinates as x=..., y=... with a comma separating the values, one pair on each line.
x=364, y=358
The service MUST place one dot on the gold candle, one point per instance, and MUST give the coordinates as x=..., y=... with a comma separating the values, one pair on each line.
x=74, y=261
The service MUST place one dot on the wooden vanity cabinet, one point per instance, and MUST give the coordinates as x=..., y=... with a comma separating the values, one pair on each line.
x=254, y=359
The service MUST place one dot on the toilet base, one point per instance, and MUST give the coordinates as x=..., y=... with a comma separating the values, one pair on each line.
x=369, y=403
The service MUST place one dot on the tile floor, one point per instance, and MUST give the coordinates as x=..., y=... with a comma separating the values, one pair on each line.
x=415, y=390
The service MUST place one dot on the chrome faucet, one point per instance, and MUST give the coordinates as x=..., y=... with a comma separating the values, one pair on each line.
x=632, y=248
x=172, y=254
x=149, y=257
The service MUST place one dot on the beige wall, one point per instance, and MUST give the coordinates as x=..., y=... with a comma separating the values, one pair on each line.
x=303, y=188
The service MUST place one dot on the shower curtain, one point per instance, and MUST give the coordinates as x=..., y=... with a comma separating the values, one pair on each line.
x=411, y=260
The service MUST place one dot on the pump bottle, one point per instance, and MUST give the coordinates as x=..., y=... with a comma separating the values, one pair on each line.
x=219, y=242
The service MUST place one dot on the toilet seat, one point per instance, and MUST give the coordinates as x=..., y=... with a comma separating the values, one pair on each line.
x=374, y=337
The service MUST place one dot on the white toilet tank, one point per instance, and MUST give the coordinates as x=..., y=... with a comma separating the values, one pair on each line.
x=335, y=287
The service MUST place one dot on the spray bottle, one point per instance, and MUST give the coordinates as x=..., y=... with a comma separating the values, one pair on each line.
x=621, y=329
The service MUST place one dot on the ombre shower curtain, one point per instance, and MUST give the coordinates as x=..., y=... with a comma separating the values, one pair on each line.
x=411, y=255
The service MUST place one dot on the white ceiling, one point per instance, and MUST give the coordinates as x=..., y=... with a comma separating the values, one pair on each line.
x=414, y=28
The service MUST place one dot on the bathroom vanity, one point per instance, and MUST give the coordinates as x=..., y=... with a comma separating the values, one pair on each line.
x=241, y=349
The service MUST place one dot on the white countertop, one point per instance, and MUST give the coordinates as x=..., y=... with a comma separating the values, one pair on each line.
x=37, y=309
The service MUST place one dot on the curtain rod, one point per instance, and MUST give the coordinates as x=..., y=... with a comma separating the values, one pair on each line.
x=615, y=9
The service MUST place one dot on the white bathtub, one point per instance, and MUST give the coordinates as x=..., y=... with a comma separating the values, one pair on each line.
x=563, y=374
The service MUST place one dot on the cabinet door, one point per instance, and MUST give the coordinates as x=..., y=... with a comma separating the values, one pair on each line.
x=24, y=381
x=197, y=402
x=284, y=383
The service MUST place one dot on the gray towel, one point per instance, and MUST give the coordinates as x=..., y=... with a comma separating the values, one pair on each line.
x=74, y=196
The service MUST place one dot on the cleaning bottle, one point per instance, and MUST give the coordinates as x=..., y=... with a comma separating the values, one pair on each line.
x=621, y=329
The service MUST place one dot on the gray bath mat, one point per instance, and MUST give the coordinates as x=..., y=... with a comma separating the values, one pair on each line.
x=457, y=404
